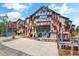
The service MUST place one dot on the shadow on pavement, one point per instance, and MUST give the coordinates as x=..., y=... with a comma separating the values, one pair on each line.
x=7, y=51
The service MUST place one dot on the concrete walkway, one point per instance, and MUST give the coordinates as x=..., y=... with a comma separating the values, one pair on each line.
x=33, y=47
x=7, y=51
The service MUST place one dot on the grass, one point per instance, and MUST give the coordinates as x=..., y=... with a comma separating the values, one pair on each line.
x=6, y=40
x=61, y=52
x=1, y=41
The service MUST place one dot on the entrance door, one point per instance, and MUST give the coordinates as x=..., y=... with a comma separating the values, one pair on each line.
x=44, y=34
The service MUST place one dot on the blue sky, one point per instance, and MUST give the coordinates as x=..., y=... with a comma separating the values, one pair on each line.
x=23, y=10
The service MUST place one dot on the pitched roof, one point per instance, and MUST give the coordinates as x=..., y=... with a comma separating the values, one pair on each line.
x=19, y=20
x=51, y=11
x=46, y=7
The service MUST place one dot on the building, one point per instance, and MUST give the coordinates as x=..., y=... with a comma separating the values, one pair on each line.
x=17, y=27
x=73, y=27
x=45, y=23
x=69, y=48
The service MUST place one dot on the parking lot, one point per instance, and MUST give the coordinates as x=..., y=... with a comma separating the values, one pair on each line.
x=33, y=47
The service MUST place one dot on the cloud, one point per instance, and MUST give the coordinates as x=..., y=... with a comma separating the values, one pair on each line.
x=13, y=16
x=76, y=21
x=2, y=14
x=52, y=6
x=17, y=6
x=64, y=9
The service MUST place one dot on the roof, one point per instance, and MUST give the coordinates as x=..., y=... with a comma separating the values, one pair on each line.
x=73, y=25
x=44, y=7
x=51, y=11
x=27, y=18
x=20, y=20
x=65, y=18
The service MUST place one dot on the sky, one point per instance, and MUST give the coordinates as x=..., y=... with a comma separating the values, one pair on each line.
x=22, y=10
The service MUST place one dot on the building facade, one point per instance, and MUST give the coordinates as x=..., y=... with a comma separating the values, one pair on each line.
x=44, y=23
x=69, y=48
x=17, y=27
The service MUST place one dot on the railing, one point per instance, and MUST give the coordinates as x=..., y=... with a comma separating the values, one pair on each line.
x=75, y=53
x=68, y=52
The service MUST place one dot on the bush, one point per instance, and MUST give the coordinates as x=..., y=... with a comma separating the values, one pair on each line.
x=13, y=37
x=61, y=52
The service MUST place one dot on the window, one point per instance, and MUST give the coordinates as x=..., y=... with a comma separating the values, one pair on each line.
x=49, y=13
x=40, y=35
x=76, y=48
x=30, y=30
x=41, y=19
x=62, y=47
x=36, y=17
x=67, y=47
x=43, y=16
x=65, y=36
x=55, y=28
x=48, y=16
x=48, y=35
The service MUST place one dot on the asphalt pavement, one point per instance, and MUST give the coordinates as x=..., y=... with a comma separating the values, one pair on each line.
x=7, y=51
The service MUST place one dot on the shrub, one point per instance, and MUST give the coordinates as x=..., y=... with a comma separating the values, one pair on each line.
x=13, y=37
x=61, y=52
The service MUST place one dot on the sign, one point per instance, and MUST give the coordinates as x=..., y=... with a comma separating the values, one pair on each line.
x=43, y=23
x=44, y=13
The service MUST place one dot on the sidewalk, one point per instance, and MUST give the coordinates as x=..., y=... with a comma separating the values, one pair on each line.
x=7, y=51
x=33, y=47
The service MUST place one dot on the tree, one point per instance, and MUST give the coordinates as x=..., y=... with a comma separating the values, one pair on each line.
x=76, y=32
x=77, y=28
x=3, y=24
